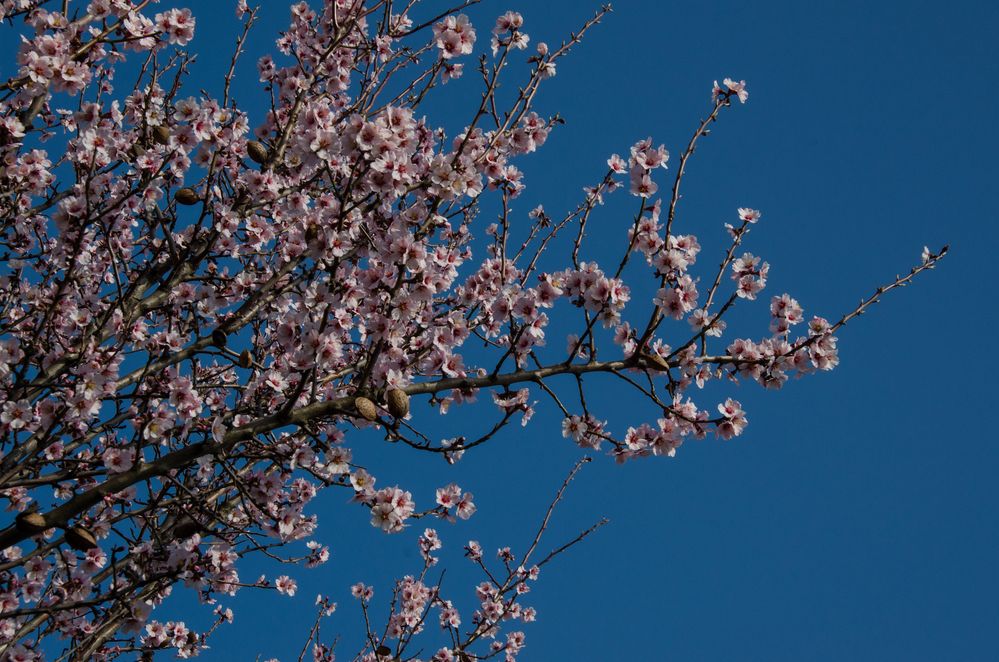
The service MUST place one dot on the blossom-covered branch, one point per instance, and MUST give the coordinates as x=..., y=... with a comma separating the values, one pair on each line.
x=203, y=306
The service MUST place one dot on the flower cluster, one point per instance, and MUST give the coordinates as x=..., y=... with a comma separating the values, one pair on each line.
x=643, y=160
x=731, y=87
x=390, y=508
x=452, y=497
x=413, y=600
x=750, y=275
x=589, y=288
x=507, y=32
x=174, y=634
x=586, y=431
x=454, y=36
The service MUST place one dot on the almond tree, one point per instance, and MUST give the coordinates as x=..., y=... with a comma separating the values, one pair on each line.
x=201, y=307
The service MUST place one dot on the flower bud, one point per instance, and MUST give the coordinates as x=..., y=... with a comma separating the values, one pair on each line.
x=366, y=408
x=186, y=196
x=398, y=402
x=219, y=338
x=245, y=359
x=80, y=539
x=383, y=651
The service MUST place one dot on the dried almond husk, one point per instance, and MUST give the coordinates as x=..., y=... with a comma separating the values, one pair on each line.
x=366, y=408
x=398, y=402
x=80, y=539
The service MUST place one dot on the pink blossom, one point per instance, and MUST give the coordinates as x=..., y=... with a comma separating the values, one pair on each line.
x=286, y=585
x=455, y=36
x=16, y=415
x=118, y=460
x=177, y=24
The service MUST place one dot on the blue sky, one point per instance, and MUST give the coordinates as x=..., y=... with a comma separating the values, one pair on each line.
x=855, y=518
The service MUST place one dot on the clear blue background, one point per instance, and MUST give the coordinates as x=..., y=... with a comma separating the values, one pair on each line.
x=855, y=518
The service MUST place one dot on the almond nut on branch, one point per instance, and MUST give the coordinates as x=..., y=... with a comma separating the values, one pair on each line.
x=256, y=151
x=366, y=408
x=398, y=402
x=80, y=539
x=186, y=196
x=219, y=338
x=161, y=135
x=30, y=523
